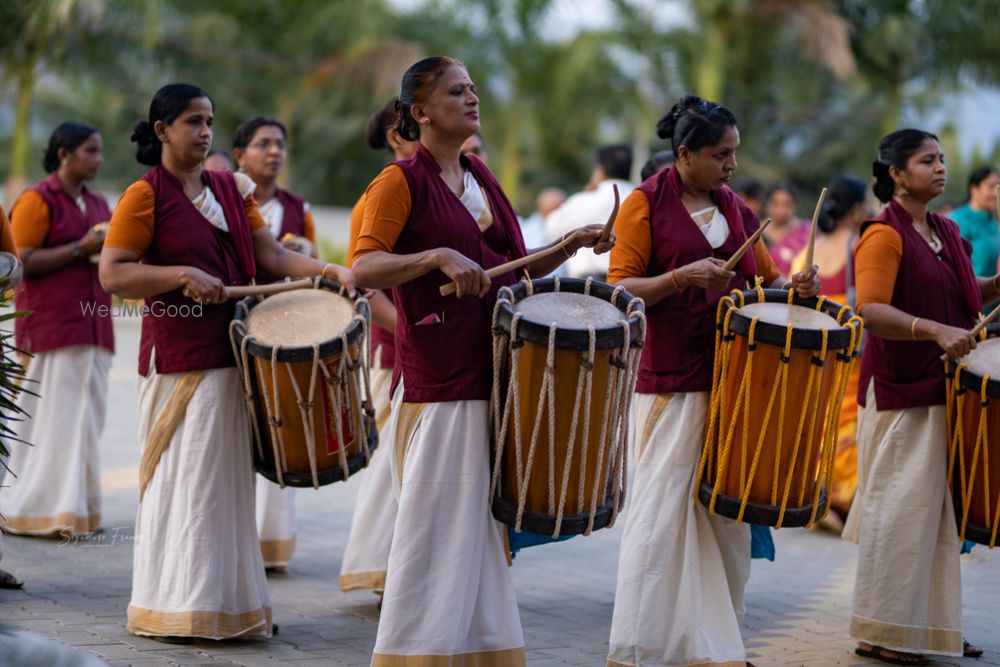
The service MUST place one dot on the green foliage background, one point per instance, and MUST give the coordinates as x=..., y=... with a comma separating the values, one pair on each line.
x=814, y=82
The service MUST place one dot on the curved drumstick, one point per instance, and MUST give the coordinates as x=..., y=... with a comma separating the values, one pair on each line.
x=610, y=224
x=738, y=255
x=812, y=232
x=267, y=290
x=545, y=252
x=979, y=327
x=515, y=264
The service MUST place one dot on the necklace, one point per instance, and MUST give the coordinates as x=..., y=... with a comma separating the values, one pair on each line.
x=934, y=242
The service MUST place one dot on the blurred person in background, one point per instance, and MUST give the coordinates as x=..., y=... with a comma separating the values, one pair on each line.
x=839, y=221
x=977, y=220
x=658, y=162
x=57, y=226
x=533, y=227
x=750, y=191
x=218, y=160
x=787, y=234
x=593, y=206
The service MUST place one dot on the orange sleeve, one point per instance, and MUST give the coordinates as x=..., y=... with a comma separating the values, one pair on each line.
x=386, y=210
x=309, y=224
x=30, y=220
x=253, y=214
x=633, y=240
x=876, y=265
x=131, y=226
x=766, y=268
x=357, y=217
x=6, y=234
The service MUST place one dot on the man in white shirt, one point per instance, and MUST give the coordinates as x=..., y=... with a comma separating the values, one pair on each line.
x=593, y=206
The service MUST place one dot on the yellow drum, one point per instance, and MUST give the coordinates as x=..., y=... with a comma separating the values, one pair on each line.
x=781, y=369
x=974, y=439
x=303, y=357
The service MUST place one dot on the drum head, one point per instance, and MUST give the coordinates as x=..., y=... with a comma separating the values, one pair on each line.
x=985, y=359
x=569, y=310
x=783, y=314
x=299, y=318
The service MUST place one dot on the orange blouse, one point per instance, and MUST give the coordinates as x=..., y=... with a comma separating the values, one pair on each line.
x=30, y=220
x=634, y=244
x=132, y=224
x=876, y=264
x=357, y=217
x=385, y=212
x=6, y=234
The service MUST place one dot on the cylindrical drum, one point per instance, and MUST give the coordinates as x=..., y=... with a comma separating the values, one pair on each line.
x=973, y=432
x=303, y=358
x=565, y=358
x=781, y=370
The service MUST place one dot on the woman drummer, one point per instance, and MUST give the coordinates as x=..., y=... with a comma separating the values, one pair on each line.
x=367, y=553
x=682, y=571
x=197, y=568
x=57, y=484
x=919, y=296
x=434, y=218
x=260, y=149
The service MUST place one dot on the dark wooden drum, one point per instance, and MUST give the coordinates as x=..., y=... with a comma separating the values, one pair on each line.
x=303, y=357
x=566, y=354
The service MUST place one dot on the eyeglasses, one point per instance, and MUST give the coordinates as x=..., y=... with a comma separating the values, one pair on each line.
x=266, y=144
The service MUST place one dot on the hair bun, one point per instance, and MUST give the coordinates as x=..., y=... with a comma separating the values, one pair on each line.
x=142, y=133
x=148, y=146
x=884, y=185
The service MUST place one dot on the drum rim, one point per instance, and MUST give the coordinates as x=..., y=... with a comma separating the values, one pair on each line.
x=606, y=338
x=265, y=467
x=970, y=379
x=300, y=353
x=759, y=514
x=572, y=524
x=774, y=334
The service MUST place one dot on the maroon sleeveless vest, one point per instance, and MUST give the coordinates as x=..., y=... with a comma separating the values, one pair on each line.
x=680, y=337
x=934, y=287
x=66, y=304
x=293, y=219
x=450, y=359
x=182, y=236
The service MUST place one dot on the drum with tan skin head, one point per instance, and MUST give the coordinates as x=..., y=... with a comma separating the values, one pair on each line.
x=973, y=408
x=566, y=355
x=781, y=369
x=303, y=358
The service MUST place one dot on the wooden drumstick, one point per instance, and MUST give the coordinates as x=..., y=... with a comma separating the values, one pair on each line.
x=515, y=264
x=738, y=255
x=267, y=290
x=812, y=232
x=610, y=224
x=979, y=327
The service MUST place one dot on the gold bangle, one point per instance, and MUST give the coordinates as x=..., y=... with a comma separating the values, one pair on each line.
x=673, y=279
x=913, y=328
x=322, y=274
x=565, y=252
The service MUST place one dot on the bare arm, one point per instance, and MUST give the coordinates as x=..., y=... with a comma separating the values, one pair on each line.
x=40, y=261
x=381, y=270
x=280, y=262
x=122, y=275
x=586, y=237
x=988, y=288
x=891, y=323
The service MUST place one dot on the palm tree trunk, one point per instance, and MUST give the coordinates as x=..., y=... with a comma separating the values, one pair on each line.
x=711, y=69
x=21, y=137
x=510, y=172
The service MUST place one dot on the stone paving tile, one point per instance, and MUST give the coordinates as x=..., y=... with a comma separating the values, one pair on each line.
x=798, y=608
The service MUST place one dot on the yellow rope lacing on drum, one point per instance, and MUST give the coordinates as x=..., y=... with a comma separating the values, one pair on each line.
x=723, y=313
x=982, y=445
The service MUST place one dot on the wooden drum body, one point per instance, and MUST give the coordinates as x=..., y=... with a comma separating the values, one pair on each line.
x=303, y=359
x=565, y=354
x=781, y=370
x=974, y=440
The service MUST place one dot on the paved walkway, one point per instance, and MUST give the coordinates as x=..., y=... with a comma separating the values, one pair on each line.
x=797, y=607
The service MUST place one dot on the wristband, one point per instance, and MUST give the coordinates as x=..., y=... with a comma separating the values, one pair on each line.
x=76, y=249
